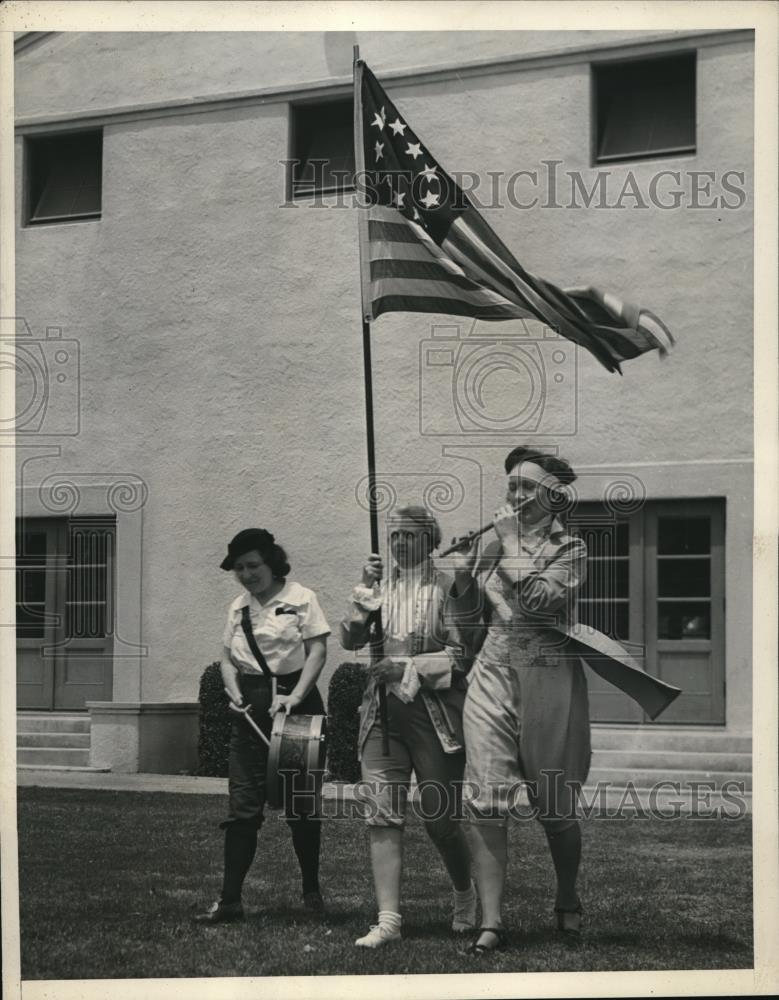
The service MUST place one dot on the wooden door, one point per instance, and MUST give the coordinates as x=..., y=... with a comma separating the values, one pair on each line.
x=65, y=584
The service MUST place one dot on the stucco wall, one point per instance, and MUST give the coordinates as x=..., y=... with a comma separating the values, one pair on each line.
x=79, y=71
x=220, y=331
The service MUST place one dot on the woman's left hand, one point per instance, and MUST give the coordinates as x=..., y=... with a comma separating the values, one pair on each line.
x=387, y=670
x=466, y=554
x=284, y=703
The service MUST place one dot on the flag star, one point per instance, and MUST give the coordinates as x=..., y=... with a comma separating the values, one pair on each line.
x=379, y=119
x=429, y=173
x=379, y=147
x=417, y=216
x=398, y=127
x=398, y=199
x=414, y=150
x=430, y=199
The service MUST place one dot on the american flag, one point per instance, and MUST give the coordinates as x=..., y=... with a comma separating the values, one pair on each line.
x=425, y=248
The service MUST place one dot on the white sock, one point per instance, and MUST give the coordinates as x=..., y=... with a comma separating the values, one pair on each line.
x=464, y=895
x=390, y=920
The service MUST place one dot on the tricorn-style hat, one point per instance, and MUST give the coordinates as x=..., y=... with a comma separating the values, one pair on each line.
x=246, y=541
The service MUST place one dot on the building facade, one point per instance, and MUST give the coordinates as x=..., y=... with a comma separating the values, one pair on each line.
x=189, y=346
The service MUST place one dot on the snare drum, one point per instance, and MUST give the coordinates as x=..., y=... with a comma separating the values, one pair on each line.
x=297, y=744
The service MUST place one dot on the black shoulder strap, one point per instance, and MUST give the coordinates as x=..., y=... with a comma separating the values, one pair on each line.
x=246, y=625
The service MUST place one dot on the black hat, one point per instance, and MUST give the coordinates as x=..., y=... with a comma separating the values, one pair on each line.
x=246, y=541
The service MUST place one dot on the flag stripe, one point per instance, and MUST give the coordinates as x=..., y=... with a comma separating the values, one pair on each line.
x=392, y=231
x=444, y=306
x=382, y=250
x=440, y=290
x=420, y=271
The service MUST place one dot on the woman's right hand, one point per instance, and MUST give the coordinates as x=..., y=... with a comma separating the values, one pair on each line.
x=373, y=570
x=236, y=702
x=506, y=525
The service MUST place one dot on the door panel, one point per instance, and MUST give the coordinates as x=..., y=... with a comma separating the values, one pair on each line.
x=692, y=672
x=83, y=674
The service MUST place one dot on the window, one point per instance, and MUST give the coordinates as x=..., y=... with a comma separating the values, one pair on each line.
x=644, y=108
x=322, y=144
x=656, y=582
x=64, y=177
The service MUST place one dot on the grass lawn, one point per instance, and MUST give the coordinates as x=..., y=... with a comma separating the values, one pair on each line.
x=110, y=880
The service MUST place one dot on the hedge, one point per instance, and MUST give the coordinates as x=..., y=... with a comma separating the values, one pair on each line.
x=343, y=722
x=215, y=718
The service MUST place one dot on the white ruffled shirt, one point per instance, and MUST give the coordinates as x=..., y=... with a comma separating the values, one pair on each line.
x=405, y=599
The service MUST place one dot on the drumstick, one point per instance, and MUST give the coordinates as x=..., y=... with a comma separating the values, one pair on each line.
x=251, y=722
x=471, y=538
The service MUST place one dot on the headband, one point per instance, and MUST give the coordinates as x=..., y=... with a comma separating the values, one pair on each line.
x=535, y=474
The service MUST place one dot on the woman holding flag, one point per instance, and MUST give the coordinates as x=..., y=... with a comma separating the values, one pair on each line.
x=424, y=669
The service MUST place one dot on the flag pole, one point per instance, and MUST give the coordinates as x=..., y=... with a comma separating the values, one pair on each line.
x=377, y=645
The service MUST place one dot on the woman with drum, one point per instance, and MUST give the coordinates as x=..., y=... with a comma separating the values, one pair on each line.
x=274, y=650
x=526, y=716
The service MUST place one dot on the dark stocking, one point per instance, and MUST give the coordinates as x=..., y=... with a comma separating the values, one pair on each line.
x=306, y=836
x=566, y=848
x=240, y=846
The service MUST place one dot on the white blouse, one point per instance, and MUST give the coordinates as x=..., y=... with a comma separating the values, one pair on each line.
x=280, y=628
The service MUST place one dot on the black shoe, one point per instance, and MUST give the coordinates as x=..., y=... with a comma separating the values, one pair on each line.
x=569, y=924
x=221, y=913
x=484, y=949
x=313, y=902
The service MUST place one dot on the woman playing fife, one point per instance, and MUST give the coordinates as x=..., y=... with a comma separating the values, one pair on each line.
x=526, y=712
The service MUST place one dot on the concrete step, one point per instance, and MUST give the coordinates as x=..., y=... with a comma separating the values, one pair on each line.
x=51, y=722
x=70, y=741
x=667, y=761
x=48, y=756
x=56, y=769
x=682, y=739
x=645, y=778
